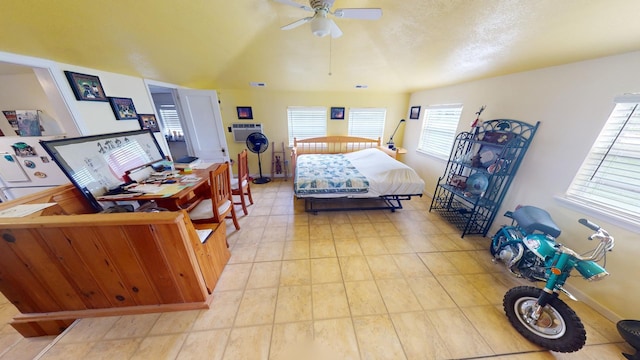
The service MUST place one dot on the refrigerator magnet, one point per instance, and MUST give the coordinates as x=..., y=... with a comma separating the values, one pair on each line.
x=30, y=164
x=40, y=174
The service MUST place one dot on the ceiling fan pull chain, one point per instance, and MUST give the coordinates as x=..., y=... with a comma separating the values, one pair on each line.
x=330, y=53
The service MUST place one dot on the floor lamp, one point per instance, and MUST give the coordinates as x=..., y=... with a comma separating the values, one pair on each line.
x=392, y=146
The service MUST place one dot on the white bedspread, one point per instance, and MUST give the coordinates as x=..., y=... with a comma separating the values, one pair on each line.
x=386, y=175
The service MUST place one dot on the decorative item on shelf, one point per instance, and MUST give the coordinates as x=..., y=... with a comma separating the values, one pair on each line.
x=495, y=167
x=497, y=137
x=148, y=121
x=244, y=112
x=476, y=161
x=337, y=113
x=477, y=184
x=86, y=87
x=391, y=144
x=458, y=181
x=123, y=108
x=489, y=154
x=12, y=118
x=414, y=114
x=475, y=126
x=29, y=122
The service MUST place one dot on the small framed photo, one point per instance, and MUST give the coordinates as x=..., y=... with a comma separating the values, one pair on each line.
x=414, y=114
x=337, y=113
x=123, y=108
x=86, y=87
x=244, y=112
x=458, y=181
x=148, y=121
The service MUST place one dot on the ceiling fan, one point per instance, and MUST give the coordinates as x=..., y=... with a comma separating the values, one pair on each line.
x=321, y=24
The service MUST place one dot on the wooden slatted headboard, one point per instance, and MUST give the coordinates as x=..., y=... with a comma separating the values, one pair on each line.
x=330, y=145
x=333, y=144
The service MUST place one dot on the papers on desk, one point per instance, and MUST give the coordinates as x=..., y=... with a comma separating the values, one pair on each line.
x=202, y=165
x=159, y=189
x=24, y=209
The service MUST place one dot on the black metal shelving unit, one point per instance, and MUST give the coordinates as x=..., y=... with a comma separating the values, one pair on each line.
x=480, y=170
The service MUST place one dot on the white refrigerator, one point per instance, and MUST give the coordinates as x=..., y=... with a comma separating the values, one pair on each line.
x=26, y=168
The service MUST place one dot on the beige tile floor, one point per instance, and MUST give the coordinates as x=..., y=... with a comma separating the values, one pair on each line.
x=337, y=285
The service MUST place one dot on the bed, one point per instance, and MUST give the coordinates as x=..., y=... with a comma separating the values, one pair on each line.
x=350, y=173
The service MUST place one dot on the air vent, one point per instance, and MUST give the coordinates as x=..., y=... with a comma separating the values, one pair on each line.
x=241, y=131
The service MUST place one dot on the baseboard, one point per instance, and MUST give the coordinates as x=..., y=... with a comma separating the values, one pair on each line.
x=594, y=304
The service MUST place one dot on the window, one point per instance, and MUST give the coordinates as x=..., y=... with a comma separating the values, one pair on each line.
x=609, y=178
x=170, y=120
x=439, y=130
x=368, y=123
x=306, y=122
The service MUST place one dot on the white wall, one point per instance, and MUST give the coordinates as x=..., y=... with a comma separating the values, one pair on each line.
x=572, y=102
x=98, y=116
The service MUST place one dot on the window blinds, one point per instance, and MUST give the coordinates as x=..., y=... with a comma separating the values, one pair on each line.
x=306, y=122
x=367, y=122
x=439, y=129
x=609, y=178
x=170, y=120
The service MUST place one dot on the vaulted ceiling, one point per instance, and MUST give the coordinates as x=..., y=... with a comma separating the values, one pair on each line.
x=417, y=44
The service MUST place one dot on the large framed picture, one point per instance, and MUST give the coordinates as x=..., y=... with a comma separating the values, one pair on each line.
x=123, y=108
x=148, y=121
x=86, y=87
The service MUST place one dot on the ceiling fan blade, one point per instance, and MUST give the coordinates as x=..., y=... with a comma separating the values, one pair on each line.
x=297, y=23
x=294, y=4
x=363, y=14
x=335, y=30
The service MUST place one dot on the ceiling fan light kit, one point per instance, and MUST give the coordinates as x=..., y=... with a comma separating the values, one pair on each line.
x=321, y=24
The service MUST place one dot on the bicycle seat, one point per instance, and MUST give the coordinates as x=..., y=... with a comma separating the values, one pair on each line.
x=532, y=219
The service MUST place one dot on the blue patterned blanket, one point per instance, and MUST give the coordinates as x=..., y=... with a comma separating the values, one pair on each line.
x=328, y=174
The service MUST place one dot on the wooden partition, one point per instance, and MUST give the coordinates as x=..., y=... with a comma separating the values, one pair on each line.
x=65, y=263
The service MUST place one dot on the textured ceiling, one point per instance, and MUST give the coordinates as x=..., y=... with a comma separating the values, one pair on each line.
x=418, y=44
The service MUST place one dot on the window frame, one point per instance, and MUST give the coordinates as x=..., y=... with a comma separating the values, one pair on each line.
x=601, y=169
x=367, y=121
x=444, y=137
x=317, y=114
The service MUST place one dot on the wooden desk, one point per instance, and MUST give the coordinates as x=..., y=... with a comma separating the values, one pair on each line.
x=185, y=199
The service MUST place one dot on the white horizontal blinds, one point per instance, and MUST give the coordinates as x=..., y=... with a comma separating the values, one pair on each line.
x=367, y=122
x=439, y=129
x=170, y=120
x=306, y=122
x=609, y=178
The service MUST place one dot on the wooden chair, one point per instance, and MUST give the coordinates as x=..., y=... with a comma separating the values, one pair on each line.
x=220, y=205
x=240, y=185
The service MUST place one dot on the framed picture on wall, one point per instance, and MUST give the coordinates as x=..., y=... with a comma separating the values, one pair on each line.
x=244, y=112
x=86, y=87
x=123, y=108
x=414, y=114
x=337, y=113
x=148, y=121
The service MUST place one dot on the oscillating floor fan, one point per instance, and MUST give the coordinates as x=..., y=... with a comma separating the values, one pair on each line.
x=258, y=143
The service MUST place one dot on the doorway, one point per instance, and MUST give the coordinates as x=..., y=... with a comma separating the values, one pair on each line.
x=170, y=122
x=191, y=121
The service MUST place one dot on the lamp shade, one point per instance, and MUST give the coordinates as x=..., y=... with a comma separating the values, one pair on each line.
x=320, y=26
